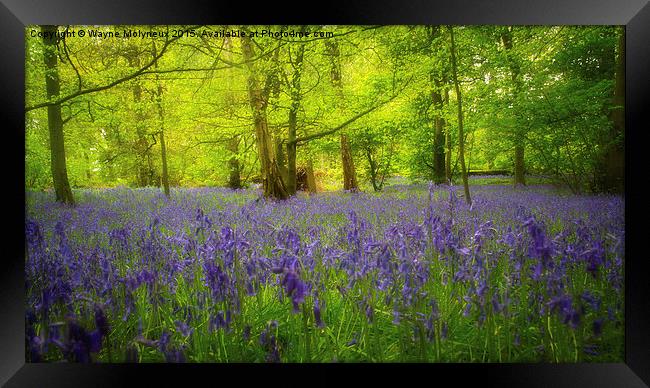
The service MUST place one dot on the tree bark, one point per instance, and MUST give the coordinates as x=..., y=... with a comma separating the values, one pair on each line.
x=54, y=121
x=461, y=138
x=161, y=118
x=234, y=176
x=144, y=167
x=296, y=98
x=438, y=121
x=272, y=182
x=447, y=143
x=438, y=135
x=163, y=154
x=280, y=158
x=349, y=171
x=234, y=167
x=519, y=162
x=373, y=169
x=311, y=178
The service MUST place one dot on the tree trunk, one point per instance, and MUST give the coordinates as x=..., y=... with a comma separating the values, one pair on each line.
x=373, y=170
x=614, y=158
x=163, y=152
x=54, y=119
x=349, y=172
x=234, y=167
x=461, y=139
x=142, y=149
x=447, y=143
x=234, y=177
x=519, y=166
x=438, y=136
x=438, y=121
x=293, y=118
x=279, y=152
x=161, y=118
x=291, y=163
x=272, y=182
x=519, y=162
x=311, y=178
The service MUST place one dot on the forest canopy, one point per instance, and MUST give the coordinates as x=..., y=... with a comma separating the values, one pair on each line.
x=322, y=107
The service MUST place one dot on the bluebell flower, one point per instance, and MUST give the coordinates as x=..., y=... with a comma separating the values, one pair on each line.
x=183, y=328
x=317, y=317
x=597, y=326
x=591, y=350
x=352, y=342
x=247, y=332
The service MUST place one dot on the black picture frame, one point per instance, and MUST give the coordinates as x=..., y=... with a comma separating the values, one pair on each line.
x=16, y=14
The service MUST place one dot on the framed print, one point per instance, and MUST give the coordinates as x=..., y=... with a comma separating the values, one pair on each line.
x=397, y=190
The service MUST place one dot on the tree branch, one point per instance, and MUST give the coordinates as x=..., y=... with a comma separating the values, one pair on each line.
x=349, y=121
x=107, y=86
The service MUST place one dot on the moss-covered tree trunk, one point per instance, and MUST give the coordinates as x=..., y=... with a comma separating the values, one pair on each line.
x=161, y=121
x=461, y=137
x=234, y=168
x=232, y=145
x=436, y=83
x=447, y=142
x=439, y=173
x=519, y=138
x=54, y=120
x=144, y=164
x=296, y=98
x=349, y=172
x=311, y=178
x=272, y=183
x=163, y=154
x=281, y=158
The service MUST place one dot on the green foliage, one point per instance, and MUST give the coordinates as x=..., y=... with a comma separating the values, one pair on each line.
x=558, y=105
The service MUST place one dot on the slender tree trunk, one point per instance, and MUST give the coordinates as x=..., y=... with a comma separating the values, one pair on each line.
x=143, y=158
x=234, y=167
x=291, y=162
x=614, y=159
x=373, y=170
x=88, y=173
x=54, y=120
x=520, y=165
x=272, y=182
x=519, y=162
x=461, y=139
x=447, y=143
x=163, y=154
x=161, y=118
x=438, y=136
x=234, y=177
x=296, y=98
x=349, y=171
x=438, y=121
